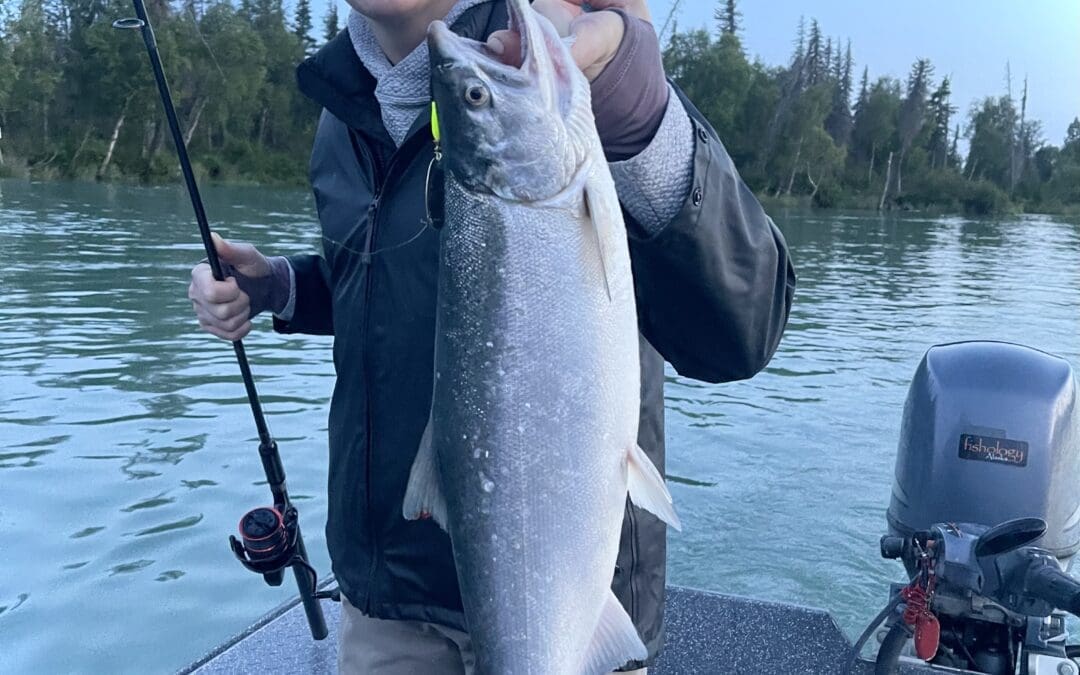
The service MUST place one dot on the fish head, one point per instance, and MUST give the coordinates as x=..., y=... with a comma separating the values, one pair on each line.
x=519, y=133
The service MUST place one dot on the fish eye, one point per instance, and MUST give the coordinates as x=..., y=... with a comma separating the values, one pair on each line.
x=476, y=94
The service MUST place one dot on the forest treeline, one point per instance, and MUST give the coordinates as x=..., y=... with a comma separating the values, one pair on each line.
x=77, y=100
x=818, y=128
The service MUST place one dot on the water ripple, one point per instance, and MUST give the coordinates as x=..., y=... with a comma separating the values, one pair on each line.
x=127, y=452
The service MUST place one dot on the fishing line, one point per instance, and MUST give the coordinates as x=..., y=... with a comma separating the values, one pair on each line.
x=345, y=247
x=432, y=216
x=202, y=39
x=670, y=18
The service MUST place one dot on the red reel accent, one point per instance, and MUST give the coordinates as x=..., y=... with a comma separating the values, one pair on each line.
x=263, y=539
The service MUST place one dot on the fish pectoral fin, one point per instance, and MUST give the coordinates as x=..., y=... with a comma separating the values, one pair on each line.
x=616, y=641
x=424, y=497
x=647, y=488
x=602, y=213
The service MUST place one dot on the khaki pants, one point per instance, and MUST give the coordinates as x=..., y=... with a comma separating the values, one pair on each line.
x=368, y=646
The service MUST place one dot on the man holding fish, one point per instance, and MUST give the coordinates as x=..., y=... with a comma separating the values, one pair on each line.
x=492, y=380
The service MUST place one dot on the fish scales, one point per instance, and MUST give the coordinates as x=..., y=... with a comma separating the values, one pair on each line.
x=531, y=448
x=536, y=401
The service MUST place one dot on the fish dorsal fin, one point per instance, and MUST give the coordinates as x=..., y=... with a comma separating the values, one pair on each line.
x=647, y=488
x=424, y=496
x=616, y=641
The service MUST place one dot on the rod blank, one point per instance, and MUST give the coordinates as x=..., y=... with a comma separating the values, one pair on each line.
x=305, y=580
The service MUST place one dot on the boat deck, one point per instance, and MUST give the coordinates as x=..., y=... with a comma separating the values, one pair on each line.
x=707, y=633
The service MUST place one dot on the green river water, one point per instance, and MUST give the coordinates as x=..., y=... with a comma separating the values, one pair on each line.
x=127, y=453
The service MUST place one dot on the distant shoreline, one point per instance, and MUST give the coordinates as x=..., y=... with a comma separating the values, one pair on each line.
x=813, y=129
x=865, y=203
x=17, y=168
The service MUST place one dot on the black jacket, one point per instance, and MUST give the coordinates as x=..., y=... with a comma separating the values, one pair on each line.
x=713, y=287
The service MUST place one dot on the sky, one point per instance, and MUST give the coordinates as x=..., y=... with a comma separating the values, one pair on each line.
x=969, y=40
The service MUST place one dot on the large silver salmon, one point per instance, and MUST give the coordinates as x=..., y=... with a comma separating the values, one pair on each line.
x=531, y=449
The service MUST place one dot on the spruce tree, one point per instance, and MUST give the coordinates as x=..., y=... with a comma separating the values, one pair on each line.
x=826, y=61
x=941, y=112
x=800, y=42
x=330, y=28
x=727, y=16
x=813, y=53
x=839, y=122
x=864, y=88
x=912, y=113
x=302, y=27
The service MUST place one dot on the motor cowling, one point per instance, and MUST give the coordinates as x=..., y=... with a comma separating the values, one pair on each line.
x=990, y=433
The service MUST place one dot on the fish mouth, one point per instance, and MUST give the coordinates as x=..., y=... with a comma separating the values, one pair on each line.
x=519, y=23
x=449, y=49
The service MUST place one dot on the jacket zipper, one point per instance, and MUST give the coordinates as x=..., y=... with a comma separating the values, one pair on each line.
x=373, y=210
x=365, y=258
x=383, y=183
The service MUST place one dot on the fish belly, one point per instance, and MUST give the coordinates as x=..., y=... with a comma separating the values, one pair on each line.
x=535, y=407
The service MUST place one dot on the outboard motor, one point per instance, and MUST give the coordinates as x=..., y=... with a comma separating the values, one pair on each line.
x=985, y=514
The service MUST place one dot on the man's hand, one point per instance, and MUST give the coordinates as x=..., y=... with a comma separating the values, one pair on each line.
x=222, y=308
x=597, y=34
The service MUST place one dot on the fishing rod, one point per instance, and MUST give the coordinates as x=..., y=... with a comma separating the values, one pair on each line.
x=270, y=536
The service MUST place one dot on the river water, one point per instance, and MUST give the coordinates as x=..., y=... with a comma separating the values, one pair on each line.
x=127, y=453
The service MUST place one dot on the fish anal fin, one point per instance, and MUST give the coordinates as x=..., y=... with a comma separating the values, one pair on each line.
x=616, y=641
x=424, y=496
x=647, y=488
